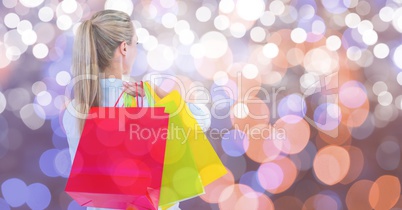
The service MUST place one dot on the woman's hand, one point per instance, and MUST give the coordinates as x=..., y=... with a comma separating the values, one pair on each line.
x=131, y=89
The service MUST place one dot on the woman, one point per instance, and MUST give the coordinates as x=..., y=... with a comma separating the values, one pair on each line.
x=104, y=51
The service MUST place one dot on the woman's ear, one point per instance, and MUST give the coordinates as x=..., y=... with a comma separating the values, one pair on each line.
x=123, y=48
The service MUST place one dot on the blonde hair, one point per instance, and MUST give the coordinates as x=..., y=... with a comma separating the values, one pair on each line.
x=95, y=44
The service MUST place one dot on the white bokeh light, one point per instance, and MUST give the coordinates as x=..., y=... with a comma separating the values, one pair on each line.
x=69, y=6
x=32, y=116
x=240, y=110
x=221, y=22
x=11, y=20
x=203, y=14
x=250, y=10
x=151, y=43
x=333, y=43
x=169, y=20
x=29, y=37
x=385, y=98
x=221, y=78
x=397, y=56
x=23, y=26
x=250, y=71
x=64, y=22
x=3, y=102
x=161, y=58
x=40, y=51
x=268, y=18
x=121, y=5
x=44, y=98
x=63, y=78
x=354, y=53
x=238, y=30
x=370, y=37
x=257, y=34
x=214, y=43
x=226, y=6
x=381, y=50
x=386, y=14
x=277, y=7
x=31, y=3
x=186, y=37
x=270, y=50
x=142, y=34
x=46, y=14
x=298, y=35
x=352, y=20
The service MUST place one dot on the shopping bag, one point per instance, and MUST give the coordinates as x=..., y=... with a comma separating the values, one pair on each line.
x=120, y=157
x=209, y=166
x=180, y=180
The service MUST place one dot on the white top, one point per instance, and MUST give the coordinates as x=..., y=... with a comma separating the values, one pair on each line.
x=110, y=91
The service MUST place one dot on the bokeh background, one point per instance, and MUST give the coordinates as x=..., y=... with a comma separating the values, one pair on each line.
x=328, y=73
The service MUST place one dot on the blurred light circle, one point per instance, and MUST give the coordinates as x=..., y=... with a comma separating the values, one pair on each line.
x=385, y=98
x=261, y=148
x=388, y=155
x=398, y=102
x=352, y=94
x=40, y=51
x=298, y=35
x=321, y=61
x=64, y=22
x=277, y=7
x=240, y=110
x=31, y=3
x=197, y=50
x=250, y=10
x=168, y=3
x=69, y=6
x=4, y=205
x=214, y=44
x=221, y=22
x=370, y=37
x=62, y=163
x=354, y=53
x=257, y=34
x=46, y=14
x=270, y=50
x=63, y=78
x=75, y=206
x=46, y=162
x=4, y=60
x=143, y=35
x=169, y=20
x=214, y=190
x=220, y=78
x=381, y=50
x=385, y=192
x=333, y=43
x=235, y=143
x=121, y=5
x=399, y=78
x=151, y=43
x=327, y=116
x=309, y=81
x=379, y=87
x=44, y=98
x=186, y=37
x=365, y=129
x=181, y=26
x=11, y=20
x=161, y=58
x=331, y=164
x=292, y=134
x=321, y=202
x=38, y=87
x=29, y=37
x=23, y=26
x=39, y=196
x=397, y=55
x=357, y=196
x=201, y=114
x=268, y=18
x=226, y=6
x=386, y=14
x=270, y=176
x=203, y=14
x=306, y=11
x=237, y=30
x=32, y=116
x=352, y=20
x=14, y=45
x=17, y=98
x=336, y=6
x=293, y=104
x=237, y=197
x=397, y=19
x=10, y=3
x=3, y=102
x=15, y=192
x=250, y=71
x=13, y=53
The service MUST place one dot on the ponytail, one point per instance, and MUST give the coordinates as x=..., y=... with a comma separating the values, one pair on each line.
x=95, y=43
x=85, y=71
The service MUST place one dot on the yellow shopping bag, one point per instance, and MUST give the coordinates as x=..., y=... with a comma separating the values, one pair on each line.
x=209, y=166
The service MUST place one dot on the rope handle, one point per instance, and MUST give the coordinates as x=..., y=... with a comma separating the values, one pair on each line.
x=137, y=96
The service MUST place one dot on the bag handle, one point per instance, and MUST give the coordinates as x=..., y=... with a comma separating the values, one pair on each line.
x=137, y=96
